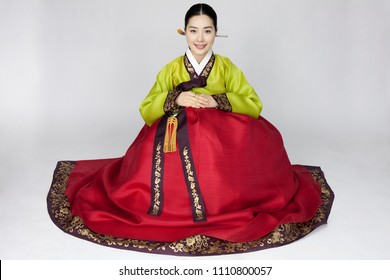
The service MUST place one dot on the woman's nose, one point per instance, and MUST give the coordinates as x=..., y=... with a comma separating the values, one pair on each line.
x=200, y=37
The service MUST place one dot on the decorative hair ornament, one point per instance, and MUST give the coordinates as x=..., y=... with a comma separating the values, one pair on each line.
x=181, y=32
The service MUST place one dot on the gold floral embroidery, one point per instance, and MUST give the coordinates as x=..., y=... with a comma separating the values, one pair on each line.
x=197, y=245
x=155, y=209
x=199, y=211
x=170, y=106
x=59, y=207
x=189, y=67
x=223, y=102
x=206, y=71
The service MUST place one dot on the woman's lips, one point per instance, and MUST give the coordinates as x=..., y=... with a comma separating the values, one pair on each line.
x=200, y=47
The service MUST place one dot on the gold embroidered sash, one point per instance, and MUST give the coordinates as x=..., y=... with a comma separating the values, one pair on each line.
x=194, y=192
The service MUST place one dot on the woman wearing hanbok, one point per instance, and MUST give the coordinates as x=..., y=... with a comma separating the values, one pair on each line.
x=205, y=175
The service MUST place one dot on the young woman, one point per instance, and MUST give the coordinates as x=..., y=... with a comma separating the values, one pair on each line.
x=205, y=174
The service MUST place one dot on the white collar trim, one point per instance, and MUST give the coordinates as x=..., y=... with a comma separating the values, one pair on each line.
x=198, y=66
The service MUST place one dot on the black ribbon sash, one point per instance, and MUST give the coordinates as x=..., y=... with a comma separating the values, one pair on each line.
x=195, y=195
x=158, y=170
x=187, y=162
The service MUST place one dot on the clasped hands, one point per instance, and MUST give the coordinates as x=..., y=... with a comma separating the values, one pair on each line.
x=191, y=99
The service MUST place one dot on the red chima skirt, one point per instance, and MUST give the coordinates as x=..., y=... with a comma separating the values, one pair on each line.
x=229, y=181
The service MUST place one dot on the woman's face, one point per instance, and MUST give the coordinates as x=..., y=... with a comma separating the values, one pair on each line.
x=200, y=34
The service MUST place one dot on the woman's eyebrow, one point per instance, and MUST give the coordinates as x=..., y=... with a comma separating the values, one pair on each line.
x=194, y=27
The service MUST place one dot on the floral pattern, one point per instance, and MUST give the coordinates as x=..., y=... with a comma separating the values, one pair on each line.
x=198, y=245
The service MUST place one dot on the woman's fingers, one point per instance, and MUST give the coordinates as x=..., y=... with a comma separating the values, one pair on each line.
x=190, y=99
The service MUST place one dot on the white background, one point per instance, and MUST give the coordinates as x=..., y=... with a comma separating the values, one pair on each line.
x=73, y=73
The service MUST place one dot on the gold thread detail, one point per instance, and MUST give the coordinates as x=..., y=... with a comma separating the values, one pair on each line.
x=170, y=135
x=157, y=182
x=206, y=71
x=194, y=245
x=194, y=193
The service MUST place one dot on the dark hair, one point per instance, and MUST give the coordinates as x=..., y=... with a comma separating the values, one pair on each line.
x=201, y=9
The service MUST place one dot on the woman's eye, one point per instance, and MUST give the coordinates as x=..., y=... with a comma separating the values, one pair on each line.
x=208, y=31
x=193, y=31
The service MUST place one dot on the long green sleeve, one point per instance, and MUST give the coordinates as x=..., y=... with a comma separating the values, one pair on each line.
x=152, y=107
x=240, y=93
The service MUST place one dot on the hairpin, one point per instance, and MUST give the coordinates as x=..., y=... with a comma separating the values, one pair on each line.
x=181, y=32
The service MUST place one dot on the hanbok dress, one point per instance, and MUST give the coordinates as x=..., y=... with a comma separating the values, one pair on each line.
x=194, y=181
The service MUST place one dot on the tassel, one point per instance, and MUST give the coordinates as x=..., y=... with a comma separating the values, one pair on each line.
x=170, y=135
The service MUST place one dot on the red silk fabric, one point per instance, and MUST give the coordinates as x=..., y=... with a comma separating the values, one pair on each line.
x=247, y=182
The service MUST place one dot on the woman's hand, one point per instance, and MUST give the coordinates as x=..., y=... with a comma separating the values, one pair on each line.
x=191, y=99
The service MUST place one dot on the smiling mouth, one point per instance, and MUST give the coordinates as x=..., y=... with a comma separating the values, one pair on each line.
x=200, y=47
